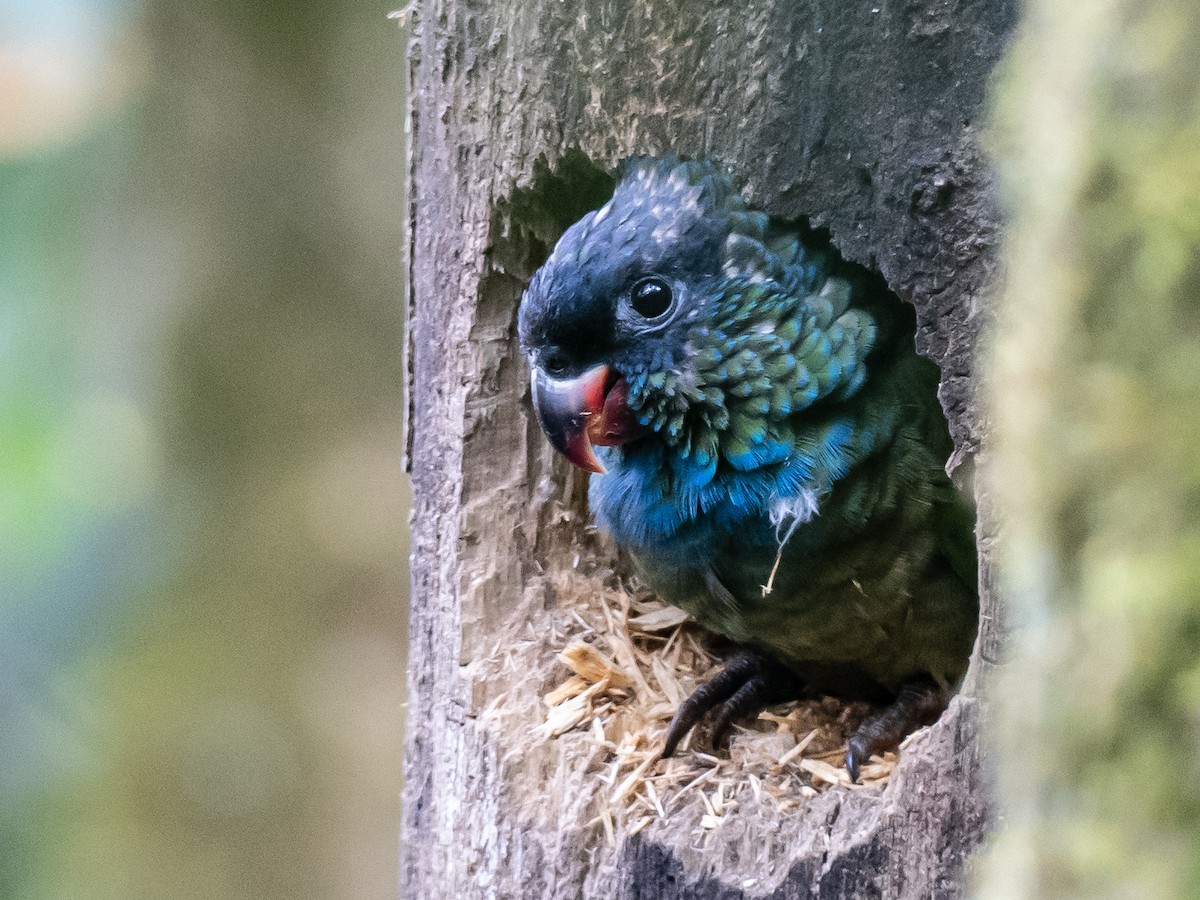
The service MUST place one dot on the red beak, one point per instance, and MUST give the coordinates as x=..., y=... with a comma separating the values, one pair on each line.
x=578, y=412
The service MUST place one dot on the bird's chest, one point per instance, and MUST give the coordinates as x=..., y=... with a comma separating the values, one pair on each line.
x=661, y=517
x=807, y=592
x=714, y=554
x=784, y=599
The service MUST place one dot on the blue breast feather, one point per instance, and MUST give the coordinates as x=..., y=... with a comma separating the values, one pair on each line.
x=657, y=502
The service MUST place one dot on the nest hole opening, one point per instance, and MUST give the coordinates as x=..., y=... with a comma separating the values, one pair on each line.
x=618, y=660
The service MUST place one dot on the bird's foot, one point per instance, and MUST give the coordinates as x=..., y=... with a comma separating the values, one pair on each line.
x=918, y=703
x=750, y=681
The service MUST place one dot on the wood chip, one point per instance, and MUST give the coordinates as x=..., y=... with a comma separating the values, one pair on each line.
x=667, y=681
x=798, y=749
x=609, y=831
x=718, y=800
x=566, y=716
x=629, y=785
x=572, y=687
x=660, y=620
x=652, y=795
x=640, y=824
x=824, y=771
x=591, y=665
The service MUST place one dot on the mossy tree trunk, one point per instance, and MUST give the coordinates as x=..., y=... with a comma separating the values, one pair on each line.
x=863, y=118
x=1097, y=408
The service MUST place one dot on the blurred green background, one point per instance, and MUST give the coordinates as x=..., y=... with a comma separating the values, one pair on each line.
x=203, y=582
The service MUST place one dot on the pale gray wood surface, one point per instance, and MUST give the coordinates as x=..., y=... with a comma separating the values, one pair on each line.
x=865, y=117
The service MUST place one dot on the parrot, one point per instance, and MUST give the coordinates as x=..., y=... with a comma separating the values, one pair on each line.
x=765, y=442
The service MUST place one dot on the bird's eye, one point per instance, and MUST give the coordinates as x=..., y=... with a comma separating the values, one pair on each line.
x=650, y=297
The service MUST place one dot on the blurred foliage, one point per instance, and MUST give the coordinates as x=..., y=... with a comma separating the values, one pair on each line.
x=202, y=540
x=1097, y=470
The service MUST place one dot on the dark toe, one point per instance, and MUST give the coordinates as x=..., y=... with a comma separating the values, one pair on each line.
x=712, y=693
x=748, y=682
x=918, y=703
x=746, y=699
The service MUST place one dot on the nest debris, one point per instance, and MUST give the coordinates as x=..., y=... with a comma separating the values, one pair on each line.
x=632, y=659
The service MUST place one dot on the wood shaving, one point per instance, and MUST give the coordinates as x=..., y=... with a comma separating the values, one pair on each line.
x=629, y=661
x=591, y=665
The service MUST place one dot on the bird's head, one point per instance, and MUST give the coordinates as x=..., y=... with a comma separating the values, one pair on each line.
x=676, y=316
x=608, y=317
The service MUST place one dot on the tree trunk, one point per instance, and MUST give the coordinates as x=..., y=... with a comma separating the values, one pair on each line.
x=862, y=119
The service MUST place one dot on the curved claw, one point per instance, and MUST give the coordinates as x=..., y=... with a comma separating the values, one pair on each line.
x=856, y=753
x=918, y=703
x=713, y=692
x=748, y=682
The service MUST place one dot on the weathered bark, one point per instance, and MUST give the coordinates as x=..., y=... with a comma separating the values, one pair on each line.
x=864, y=119
x=1098, y=467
